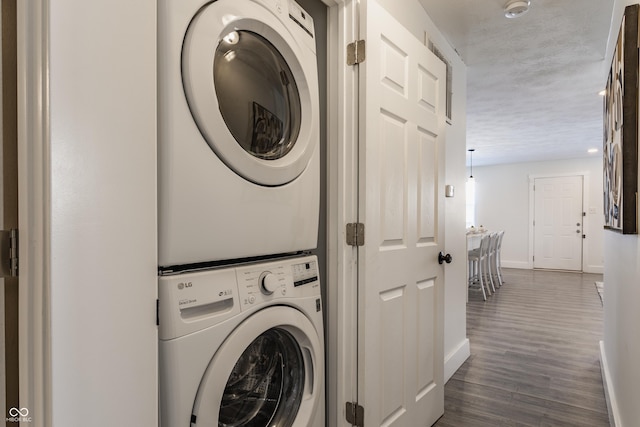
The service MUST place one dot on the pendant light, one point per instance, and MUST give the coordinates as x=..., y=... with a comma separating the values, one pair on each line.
x=470, y=188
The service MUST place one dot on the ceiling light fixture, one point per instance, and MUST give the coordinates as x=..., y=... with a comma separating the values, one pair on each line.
x=516, y=8
x=592, y=150
x=603, y=92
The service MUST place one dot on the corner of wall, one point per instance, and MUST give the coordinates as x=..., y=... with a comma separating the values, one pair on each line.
x=454, y=360
x=609, y=392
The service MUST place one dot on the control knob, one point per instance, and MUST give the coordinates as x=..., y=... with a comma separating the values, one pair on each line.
x=268, y=283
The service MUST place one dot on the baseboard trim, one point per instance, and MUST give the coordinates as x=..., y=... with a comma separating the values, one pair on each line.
x=596, y=269
x=456, y=358
x=523, y=265
x=609, y=393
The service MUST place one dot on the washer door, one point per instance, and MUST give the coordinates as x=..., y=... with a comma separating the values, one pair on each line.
x=252, y=90
x=266, y=373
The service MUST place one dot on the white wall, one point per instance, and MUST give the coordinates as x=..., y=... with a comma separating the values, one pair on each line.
x=503, y=203
x=103, y=213
x=621, y=346
x=456, y=345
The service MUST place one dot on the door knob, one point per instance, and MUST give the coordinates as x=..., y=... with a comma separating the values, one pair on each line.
x=444, y=258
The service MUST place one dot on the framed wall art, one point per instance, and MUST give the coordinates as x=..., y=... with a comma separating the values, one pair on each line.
x=620, y=150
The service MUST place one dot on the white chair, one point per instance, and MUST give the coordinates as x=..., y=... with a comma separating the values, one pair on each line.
x=478, y=265
x=490, y=260
x=498, y=263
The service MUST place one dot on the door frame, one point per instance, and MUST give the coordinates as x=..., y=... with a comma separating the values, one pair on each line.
x=34, y=210
x=585, y=218
x=342, y=208
x=9, y=360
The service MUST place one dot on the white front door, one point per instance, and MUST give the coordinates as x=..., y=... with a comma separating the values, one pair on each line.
x=558, y=223
x=400, y=283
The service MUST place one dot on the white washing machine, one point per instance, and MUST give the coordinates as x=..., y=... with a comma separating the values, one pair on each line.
x=238, y=130
x=243, y=346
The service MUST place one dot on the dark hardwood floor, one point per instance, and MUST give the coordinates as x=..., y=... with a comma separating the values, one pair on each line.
x=535, y=357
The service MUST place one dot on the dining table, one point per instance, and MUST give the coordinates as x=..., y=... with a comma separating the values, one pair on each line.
x=474, y=237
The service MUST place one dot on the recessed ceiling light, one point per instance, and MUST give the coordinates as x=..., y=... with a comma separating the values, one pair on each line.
x=603, y=92
x=592, y=150
x=515, y=8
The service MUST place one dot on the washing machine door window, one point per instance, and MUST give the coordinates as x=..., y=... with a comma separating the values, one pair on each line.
x=266, y=384
x=252, y=90
x=257, y=94
x=267, y=372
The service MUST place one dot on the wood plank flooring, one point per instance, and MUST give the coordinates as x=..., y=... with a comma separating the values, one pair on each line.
x=535, y=357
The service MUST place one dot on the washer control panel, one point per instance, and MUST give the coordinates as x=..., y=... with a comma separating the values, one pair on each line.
x=291, y=278
x=269, y=283
x=305, y=273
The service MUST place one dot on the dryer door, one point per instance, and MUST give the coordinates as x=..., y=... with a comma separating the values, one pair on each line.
x=252, y=90
x=267, y=372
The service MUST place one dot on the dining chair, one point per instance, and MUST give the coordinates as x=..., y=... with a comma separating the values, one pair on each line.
x=491, y=261
x=478, y=265
x=498, y=261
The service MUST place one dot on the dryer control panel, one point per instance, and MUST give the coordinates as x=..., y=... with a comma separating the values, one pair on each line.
x=298, y=15
x=264, y=283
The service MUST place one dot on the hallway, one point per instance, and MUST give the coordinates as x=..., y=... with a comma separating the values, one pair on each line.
x=534, y=355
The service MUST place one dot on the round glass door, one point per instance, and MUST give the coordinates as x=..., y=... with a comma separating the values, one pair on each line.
x=252, y=90
x=257, y=95
x=268, y=372
x=266, y=384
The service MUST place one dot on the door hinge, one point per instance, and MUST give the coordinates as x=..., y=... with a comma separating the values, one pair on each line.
x=354, y=414
x=356, y=52
x=9, y=253
x=355, y=234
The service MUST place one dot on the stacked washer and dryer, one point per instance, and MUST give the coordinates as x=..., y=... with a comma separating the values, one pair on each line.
x=240, y=313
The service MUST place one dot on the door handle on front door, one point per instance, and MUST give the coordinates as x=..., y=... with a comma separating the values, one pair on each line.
x=444, y=258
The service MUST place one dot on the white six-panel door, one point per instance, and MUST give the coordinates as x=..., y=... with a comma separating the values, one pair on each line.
x=401, y=299
x=558, y=223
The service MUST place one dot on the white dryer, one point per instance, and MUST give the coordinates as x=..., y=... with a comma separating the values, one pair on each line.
x=242, y=346
x=238, y=130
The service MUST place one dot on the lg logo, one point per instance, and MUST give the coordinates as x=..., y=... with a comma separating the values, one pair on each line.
x=183, y=285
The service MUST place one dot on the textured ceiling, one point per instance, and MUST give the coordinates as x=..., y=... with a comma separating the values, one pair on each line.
x=533, y=81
